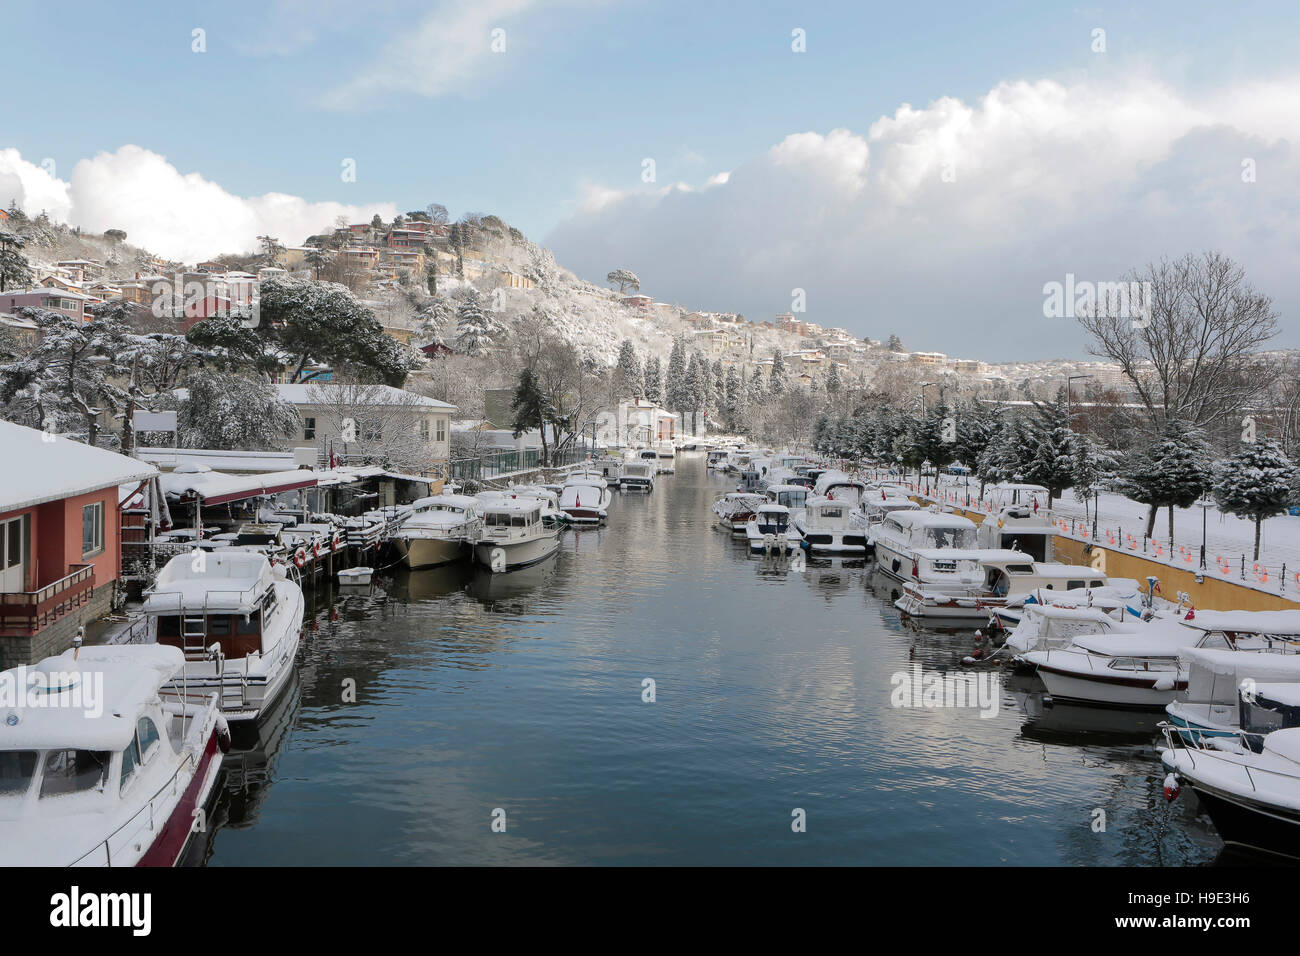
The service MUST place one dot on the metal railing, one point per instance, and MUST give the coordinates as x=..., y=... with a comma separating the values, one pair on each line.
x=495, y=464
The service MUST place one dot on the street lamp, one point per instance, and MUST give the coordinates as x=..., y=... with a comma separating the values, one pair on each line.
x=1069, y=401
x=1205, y=505
x=924, y=386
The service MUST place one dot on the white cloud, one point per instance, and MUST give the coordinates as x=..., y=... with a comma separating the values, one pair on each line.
x=173, y=214
x=445, y=52
x=942, y=223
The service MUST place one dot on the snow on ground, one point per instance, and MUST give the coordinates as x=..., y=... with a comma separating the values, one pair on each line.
x=1228, y=538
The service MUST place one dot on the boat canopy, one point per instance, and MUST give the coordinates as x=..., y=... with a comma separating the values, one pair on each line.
x=1284, y=743
x=1217, y=675
x=224, y=581
x=1276, y=623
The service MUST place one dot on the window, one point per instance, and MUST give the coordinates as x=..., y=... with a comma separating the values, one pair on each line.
x=147, y=731
x=73, y=771
x=422, y=427
x=11, y=542
x=308, y=427
x=442, y=430
x=16, y=770
x=92, y=529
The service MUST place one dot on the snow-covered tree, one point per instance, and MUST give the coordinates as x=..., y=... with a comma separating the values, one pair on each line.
x=14, y=270
x=222, y=410
x=1171, y=473
x=624, y=280
x=1090, y=468
x=1051, y=463
x=628, y=379
x=676, y=388
x=1255, y=483
x=776, y=383
x=476, y=328
x=654, y=380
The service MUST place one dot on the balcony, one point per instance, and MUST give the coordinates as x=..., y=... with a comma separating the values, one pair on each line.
x=26, y=612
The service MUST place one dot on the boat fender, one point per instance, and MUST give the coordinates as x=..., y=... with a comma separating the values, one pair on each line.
x=300, y=557
x=1172, y=787
x=223, y=734
x=969, y=661
x=1164, y=683
x=979, y=637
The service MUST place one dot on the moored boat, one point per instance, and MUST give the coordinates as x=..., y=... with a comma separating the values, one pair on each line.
x=442, y=530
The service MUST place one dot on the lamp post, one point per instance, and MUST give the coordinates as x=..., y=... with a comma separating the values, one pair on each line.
x=1204, y=504
x=1069, y=399
x=924, y=386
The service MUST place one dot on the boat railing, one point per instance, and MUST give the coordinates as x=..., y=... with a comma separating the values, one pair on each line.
x=190, y=759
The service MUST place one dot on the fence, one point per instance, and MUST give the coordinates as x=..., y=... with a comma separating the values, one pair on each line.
x=497, y=464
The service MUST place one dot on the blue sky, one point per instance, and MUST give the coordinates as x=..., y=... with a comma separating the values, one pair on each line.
x=583, y=93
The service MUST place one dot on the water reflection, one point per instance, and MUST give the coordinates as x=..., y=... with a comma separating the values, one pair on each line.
x=525, y=691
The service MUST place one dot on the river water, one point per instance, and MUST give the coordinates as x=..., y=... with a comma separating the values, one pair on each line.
x=440, y=706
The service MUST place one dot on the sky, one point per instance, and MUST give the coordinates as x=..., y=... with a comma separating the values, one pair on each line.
x=916, y=169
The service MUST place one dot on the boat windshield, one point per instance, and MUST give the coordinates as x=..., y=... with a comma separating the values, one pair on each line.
x=949, y=538
x=73, y=771
x=17, y=767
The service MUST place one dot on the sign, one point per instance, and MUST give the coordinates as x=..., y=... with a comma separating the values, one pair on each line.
x=154, y=421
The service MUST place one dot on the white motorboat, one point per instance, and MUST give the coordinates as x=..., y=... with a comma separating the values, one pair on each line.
x=1222, y=684
x=356, y=577
x=839, y=486
x=1020, y=527
x=929, y=547
x=637, y=475
x=585, y=498
x=238, y=621
x=1144, y=669
x=826, y=527
x=735, y=509
x=792, y=496
x=1009, y=575
x=717, y=459
x=514, y=535
x=104, y=769
x=1252, y=796
x=442, y=530
x=770, y=531
x=873, y=508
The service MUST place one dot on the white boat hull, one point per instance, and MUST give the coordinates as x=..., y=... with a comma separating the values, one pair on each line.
x=430, y=552
x=515, y=554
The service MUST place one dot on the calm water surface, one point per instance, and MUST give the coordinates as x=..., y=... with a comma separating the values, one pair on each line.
x=524, y=692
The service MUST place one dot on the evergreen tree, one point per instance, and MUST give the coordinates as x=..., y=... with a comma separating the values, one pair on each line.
x=476, y=329
x=1255, y=483
x=777, y=379
x=1172, y=473
x=531, y=409
x=1051, y=462
x=654, y=381
x=833, y=384
x=629, y=379
x=1090, y=467
x=14, y=271
x=676, y=391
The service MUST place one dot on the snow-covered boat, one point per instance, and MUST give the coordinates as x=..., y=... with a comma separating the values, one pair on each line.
x=1144, y=669
x=357, y=577
x=637, y=475
x=585, y=498
x=237, y=619
x=770, y=531
x=716, y=460
x=1221, y=684
x=514, y=535
x=106, y=770
x=735, y=509
x=1009, y=575
x=876, y=505
x=929, y=547
x=1252, y=797
x=825, y=526
x=441, y=530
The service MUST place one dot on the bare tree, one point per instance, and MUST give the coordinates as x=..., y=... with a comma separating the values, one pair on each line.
x=1195, y=356
x=380, y=424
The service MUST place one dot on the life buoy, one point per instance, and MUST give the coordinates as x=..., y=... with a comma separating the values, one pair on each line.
x=336, y=542
x=315, y=549
x=300, y=557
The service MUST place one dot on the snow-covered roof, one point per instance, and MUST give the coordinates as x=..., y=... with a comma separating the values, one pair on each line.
x=215, y=487
x=225, y=581
x=131, y=675
x=1248, y=622
x=45, y=468
x=931, y=519
x=308, y=393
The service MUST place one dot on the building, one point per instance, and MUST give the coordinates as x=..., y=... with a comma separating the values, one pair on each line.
x=371, y=421
x=75, y=305
x=24, y=331
x=60, y=539
x=640, y=422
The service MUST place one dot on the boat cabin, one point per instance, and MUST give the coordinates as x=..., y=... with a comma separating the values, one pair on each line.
x=792, y=496
x=223, y=597
x=772, y=519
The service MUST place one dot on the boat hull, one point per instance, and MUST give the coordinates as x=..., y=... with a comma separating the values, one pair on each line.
x=1249, y=823
x=1108, y=691
x=429, y=552
x=516, y=554
x=174, y=835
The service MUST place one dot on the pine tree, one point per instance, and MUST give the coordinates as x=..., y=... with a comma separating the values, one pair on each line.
x=833, y=383
x=476, y=329
x=1255, y=483
x=776, y=380
x=1089, y=469
x=1171, y=473
x=531, y=409
x=1051, y=463
x=654, y=381
x=629, y=379
x=675, y=386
